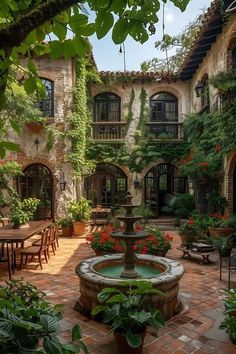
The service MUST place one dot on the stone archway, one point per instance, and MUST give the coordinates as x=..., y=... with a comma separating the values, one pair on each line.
x=162, y=180
x=37, y=182
x=107, y=186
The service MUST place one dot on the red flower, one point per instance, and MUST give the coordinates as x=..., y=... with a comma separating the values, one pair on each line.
x=204, y=163
x=135, y=248
x=168, y=237
x=191, y=222
x=138, y=227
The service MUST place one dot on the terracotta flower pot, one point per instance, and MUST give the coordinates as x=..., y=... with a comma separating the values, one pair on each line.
x=79, y=228
x=67, y=231
x=220, y=231
x=122, y=345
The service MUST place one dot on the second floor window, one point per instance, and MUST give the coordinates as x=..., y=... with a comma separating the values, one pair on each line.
x=106, y=107
x=163, y=108
x=46, y=104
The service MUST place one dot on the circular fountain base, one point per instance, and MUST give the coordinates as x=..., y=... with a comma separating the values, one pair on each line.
x=168, y=274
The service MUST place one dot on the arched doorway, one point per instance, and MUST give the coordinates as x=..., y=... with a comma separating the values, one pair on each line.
x=160, y=181
x=107, y=186
x=37, y=182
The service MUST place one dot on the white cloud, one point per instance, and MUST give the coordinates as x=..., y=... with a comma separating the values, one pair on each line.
x=169, y=17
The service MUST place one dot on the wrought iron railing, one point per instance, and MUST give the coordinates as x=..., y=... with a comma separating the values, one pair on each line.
x=165, y=130
x=108, y=130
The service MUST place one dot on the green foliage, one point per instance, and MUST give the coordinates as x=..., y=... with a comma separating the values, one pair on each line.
x=216, y=202
x=22, y=212
x=108, y=153
x=79, y=121
x=80, y=210
x=180, y=43
x=222, y=244
x=179, y=204
x=127, y=312
x=26, y=27
x=28, y=321
x=229, y=323
x=225, y=81
x=67, y=221
x=130, y=110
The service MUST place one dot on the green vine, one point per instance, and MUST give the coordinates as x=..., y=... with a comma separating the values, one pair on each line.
x=129, y=117
x=79, y=120
x=143, y=116
x=108, y=153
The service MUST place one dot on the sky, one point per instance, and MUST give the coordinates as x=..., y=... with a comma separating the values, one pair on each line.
x=106, y=53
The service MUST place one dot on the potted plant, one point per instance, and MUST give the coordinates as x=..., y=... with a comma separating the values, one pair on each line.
x=221, y=225
x=181, y=205
x=229, y=323
x=22, y=211
x=66, y=225
x=129, y=314
x=81, y=213
x=222, y=244
x=29, y=324
x=189, y=233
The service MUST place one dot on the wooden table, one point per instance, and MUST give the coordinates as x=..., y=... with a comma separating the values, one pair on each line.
x=100, y=215
x=8, y=234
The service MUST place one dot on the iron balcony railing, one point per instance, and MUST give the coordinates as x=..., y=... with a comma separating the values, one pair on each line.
x=165, y=130
x=108, y=130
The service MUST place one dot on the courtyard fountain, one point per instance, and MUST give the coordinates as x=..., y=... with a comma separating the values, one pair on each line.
x=114, y=270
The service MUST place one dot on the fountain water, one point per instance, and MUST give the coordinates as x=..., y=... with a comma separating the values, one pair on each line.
x=111, y=270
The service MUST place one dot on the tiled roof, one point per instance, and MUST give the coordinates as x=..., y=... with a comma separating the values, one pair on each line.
x=136, y=75
x=211, y=26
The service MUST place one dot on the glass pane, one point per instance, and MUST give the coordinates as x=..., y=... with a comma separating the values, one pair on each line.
x=163, y=182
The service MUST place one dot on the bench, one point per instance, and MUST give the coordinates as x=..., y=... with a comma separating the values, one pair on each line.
x=202, y=249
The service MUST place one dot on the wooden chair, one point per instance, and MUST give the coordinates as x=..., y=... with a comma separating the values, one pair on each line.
x=7, y=256
x=36, y=250
x=52, y=240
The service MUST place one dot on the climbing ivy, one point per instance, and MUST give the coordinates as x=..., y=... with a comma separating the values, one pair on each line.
x=79, y=121
x=143, y=116
x=108, y=152
x=129, y=117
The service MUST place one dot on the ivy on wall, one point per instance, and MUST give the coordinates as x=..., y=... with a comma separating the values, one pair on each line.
x=129, y=116
x=80, y=118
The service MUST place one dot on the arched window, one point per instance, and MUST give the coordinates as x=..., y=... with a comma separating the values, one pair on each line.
x=163, y=108
x=107, y=107
x=163, y=116
x=37, y=182
x=46, y=103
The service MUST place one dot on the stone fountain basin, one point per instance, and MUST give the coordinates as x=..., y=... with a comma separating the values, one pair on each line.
x=91, y=282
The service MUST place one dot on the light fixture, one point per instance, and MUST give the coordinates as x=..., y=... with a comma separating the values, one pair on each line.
x=190, y=186
x=62, y=182
x=199, y=88
x=137, y=182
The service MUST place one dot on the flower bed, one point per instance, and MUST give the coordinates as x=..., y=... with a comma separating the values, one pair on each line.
x=156, y=243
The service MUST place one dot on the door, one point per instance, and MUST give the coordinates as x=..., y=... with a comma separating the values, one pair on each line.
x=37, y=182
x=108, y=187
x=234, y=190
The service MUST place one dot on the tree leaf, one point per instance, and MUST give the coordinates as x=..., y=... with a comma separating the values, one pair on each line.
x=103, y=23
x=50, y=323
x=88, y=30
x=118, y=6
x=78, y=45
x=8, y=145
x=30, y=85
x=120, y=31
x=60, y=31
x=56, y=49
x=15, y=126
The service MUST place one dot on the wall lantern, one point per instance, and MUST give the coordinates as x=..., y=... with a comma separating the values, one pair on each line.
x=199, y=89
x=137, y=183
x=191, y=186
x=62, y=182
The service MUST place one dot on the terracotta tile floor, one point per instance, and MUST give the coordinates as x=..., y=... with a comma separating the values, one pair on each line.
x=195, y=330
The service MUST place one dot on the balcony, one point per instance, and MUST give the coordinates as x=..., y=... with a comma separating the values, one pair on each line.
x=106, y=131
x=165, y=130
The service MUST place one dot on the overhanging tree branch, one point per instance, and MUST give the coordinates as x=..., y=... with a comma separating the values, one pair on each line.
x=15, y=33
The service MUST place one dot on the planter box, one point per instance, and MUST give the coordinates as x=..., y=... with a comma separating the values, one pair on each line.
x=220, y=231
x=67, y=231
